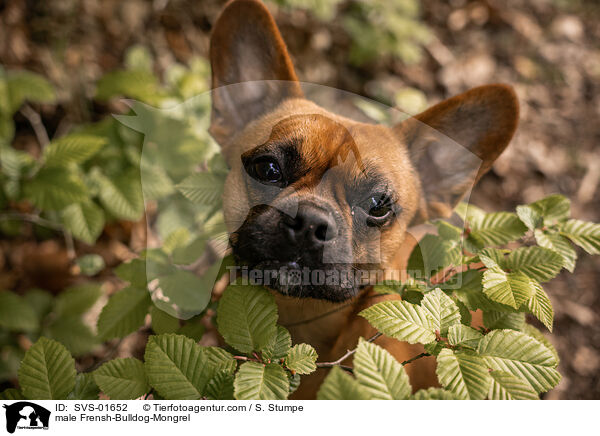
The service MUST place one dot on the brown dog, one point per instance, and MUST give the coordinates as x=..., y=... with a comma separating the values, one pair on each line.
x=310, y=190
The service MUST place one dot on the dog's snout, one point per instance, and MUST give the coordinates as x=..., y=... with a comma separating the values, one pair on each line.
x=312, y=226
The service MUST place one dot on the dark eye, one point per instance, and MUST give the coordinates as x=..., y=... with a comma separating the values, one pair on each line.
x=379, y=208
x=266, y=170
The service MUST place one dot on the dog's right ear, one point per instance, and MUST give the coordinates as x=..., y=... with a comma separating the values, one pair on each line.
x=246, y=49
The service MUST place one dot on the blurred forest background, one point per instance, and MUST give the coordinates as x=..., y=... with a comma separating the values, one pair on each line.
x=404, y=53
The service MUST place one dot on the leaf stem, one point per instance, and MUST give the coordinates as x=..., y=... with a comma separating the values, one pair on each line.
x=345, y=356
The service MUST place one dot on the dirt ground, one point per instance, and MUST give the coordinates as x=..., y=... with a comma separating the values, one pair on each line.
x=549, y=50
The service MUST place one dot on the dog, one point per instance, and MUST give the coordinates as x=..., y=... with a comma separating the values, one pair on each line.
x=310, y=190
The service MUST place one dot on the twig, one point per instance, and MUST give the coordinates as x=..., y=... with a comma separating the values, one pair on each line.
x=412, y=359
x=246, y=359
x=345, y=356
x=36, y=122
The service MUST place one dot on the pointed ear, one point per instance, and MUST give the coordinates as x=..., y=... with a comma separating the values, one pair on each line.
x=455, y=142
x=246, y=48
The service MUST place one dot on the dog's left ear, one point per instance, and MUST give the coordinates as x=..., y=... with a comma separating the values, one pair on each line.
x=455, y=142
x=246, y=49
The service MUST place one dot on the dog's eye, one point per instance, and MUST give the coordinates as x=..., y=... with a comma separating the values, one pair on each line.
x=379, y=208
x=267, y=170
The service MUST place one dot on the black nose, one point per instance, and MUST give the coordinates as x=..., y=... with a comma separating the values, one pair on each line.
x=312, y=226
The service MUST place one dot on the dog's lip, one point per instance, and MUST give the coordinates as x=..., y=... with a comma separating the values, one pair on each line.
x=266, y=264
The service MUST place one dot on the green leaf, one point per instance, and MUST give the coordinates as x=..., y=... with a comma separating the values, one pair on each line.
x=47, y=371
x=381, y=375
x=133, y=272
x=402, y=321
x=220, y=387
x=136, y=84
x=279, y=346
x=90, y=264
x=16, y=314
x=122, y=195
x=185, y=293
x=547, y=211
x=75, y=148
x=541, y=306
x=122, y=379
x=25, y=85
x=77, y=299
x=460, y=334
x=558, y=244
x=301, y=358
x=465, y=375
x=39, y=300
x=495, y=229
x=192, y=329
x=85, y=388
x=431, y=254
x=256, y=381
x=246, y=317
x=433, y=394
x=442, y=309
x=538, y=263
x=124, y=313
x=162, y=322
x=512, y=289
x=11, y=395
x=468, y=289
x=179, y=369
x=522, y=356
x=583, y=233
x=55, y=188
x=203, y=188
x=506, y=386
x=339, y=385
x=503, y=320
x=73, y=334
x=84, y=220
x=530, y=330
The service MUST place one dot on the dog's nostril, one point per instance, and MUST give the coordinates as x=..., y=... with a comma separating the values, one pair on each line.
x=321, y=233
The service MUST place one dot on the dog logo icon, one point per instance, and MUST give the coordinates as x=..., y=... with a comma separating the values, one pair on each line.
x=26, y=415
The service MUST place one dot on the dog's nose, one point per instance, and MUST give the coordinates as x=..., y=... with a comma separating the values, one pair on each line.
x=312, y=226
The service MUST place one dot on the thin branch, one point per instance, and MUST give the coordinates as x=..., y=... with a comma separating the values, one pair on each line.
x=345, y=356
x=36, y=122
x=417, y=357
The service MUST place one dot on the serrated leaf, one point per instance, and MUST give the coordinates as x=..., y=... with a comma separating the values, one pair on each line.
x=381, y=375
x=77, y=299
x=279, y=346
x=73, y=334
x=541, y=307
x=460, y=334
x=122, y=195
x=182, y=293
x=465, y=375
x=431, y=254
x=442, y=309
x=25, y=85
x=301, y=358
x=55, y=188
x=530, y=330
x=558, y=244
x=506, y=386
x=85, y=388
x=178, y=369
x=512, y=289
x=122, y=379
x=538, y=263
x=75, y=148
x=47, y=371
x=162, y=322
x=84, y=220
x=11, y=395
x=433, y=394
x=402, y=321
x=16, y=314
x=494, y=229
x=583, y=233
x=547, y=211
x=256, y=381
x=203, y=188
x=503, y=320
x=522, y=356
x=220, y=387
x=339, y=385
x=246, y=317
x=124, y=313
x=468, y=289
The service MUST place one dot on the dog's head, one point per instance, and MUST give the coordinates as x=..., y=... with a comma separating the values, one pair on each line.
x=317, y=196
